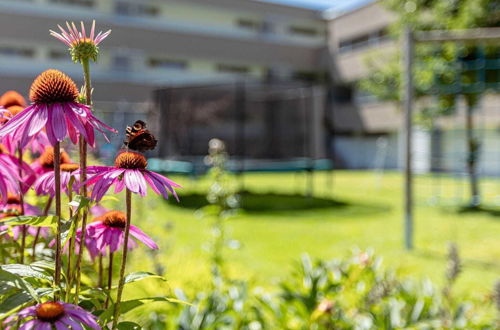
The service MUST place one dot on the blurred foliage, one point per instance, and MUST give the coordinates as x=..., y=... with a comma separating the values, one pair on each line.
x=351, y=293
x=439, y=68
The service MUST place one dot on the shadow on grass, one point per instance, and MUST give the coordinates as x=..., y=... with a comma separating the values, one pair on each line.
x=468, y=210
x=251, y=202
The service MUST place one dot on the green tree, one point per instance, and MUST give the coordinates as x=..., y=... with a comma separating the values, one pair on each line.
x=438, y=65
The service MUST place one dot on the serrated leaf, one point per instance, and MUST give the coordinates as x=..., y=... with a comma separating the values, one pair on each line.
x=38, y=221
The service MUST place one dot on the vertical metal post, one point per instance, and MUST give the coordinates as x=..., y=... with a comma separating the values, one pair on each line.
x=407, y=56
x=240, y=116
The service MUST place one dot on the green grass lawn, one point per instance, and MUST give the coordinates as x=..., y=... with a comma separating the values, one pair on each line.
x=367, y=213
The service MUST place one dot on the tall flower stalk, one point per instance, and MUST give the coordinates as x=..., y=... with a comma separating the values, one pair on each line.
x=82, y=48
x=83, y=175
x=121, y=283
x=220, y=196
x=57, y=177
x=21, y=198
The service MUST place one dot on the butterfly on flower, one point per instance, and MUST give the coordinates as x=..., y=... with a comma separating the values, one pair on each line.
x=138, y=138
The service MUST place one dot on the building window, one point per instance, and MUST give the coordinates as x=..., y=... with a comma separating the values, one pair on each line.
x=57, y=54
x=343, y=94
x=364, y=40
x=136, y=9
x=309, y=76
x=304, y=31
x=249, y=24
x=83, y=3
x=171, y=64
x=231, y=68
x=17, y=51
x=121, y=63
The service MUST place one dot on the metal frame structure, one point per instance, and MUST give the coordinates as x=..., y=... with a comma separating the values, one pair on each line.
x=410, y=38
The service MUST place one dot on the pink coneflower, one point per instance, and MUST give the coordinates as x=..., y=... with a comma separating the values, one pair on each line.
x=54, y=108
x=107, y=233
x=129, y=171
x=80, y=45
x=52, y=315
x=12, y=98
x=13, y=209
x=9, y=176
x=45, y=162
x=45, y=184
x=97, y=210
x=13, y=103
x=19, y=172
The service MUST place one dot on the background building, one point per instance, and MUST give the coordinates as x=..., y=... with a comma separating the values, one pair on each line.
x=157, y=42
x=367, y=130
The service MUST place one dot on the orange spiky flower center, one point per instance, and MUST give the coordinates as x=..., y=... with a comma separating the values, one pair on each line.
x=11, y=98
x=53, y=86
x=115, y=219
x=15, y=109
x=3, y=149
x=69, y=167
x=50, y=311
x=12, y=211
x=131, y=160
x=46, y=159
x=13, y=199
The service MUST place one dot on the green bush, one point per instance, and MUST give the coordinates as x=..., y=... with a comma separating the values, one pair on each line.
x=354, y=293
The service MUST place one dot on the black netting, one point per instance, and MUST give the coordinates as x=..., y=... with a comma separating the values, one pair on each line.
x=257, y=121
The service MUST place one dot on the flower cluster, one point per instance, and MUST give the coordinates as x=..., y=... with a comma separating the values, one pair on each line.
x=34, y=172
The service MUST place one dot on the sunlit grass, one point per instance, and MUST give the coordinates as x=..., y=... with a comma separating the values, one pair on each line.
x=370, y=217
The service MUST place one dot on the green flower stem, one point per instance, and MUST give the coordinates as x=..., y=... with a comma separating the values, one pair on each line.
x=110, y=278
x=57, y=183
x=70, y=270
x=21, y=201
x=83, y=177
x=100, y=270
x=37, y=236
x=121, y=283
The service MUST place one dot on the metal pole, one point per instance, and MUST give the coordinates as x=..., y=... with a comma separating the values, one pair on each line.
x=407, y=55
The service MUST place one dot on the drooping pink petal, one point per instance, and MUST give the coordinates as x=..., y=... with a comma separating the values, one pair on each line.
x=18, y=120
x=141, y=236
x=58, y=122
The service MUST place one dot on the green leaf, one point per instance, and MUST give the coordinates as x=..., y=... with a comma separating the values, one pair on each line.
x=67, y=230
x=33, y=271
x=42, y=221
x=110, y=198
x=79, y=202
x=127, y=306
x=15, y=291
x=18, y=298
x=137, y=276
x=128, y=326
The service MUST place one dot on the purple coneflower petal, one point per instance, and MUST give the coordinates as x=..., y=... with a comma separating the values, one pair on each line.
x=135, y=182
x=17, y=121
x=141, y=236
x=38, y=121
x=58, y=121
